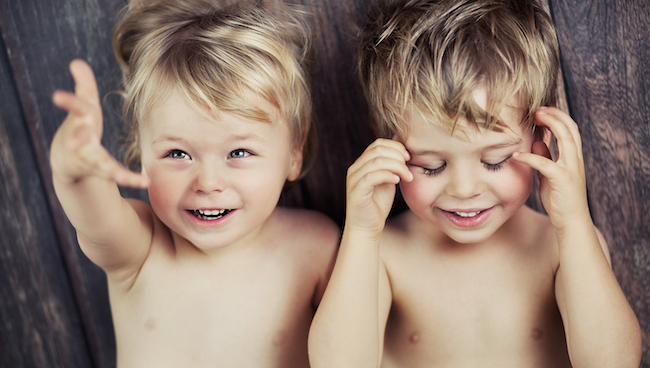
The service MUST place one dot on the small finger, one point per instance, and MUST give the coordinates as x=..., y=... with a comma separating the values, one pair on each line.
x=71, y=103
x=564, y=129
x=127, y=178
x=543, y=164
x=380, y=163
x=367, y=183
x=85, y=82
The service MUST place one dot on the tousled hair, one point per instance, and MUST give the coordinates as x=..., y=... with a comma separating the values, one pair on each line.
x=223, y=56
x=431, y=55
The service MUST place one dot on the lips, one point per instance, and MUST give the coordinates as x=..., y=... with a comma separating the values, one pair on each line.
x=468, y=219
x=210, y=215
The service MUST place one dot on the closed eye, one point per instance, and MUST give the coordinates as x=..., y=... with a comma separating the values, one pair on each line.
x=497, y=166
x=239, y=153
x=433, y=172
x=178, y=155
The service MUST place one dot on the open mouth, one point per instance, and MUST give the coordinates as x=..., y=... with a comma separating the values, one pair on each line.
x=210, y=215
x=467, y=214
x=468, y=219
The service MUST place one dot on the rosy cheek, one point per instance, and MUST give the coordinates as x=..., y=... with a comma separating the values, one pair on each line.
x=518, y=183
x=416, y=191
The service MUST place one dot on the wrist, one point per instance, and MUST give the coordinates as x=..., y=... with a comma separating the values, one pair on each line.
x=358, y=233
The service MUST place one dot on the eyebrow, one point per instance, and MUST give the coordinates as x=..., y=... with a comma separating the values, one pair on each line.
x=430, y=152
x=234, y=138
x=168, y=138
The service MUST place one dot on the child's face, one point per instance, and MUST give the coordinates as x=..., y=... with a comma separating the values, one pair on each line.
x=468, y=188
x=214, y=180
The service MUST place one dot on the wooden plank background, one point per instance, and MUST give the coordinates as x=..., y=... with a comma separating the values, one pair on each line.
x=53, y=302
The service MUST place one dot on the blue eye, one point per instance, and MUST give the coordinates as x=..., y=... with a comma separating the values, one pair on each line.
x=239, y=153
x=433, y=172
x=497, y=166
x=177, y=154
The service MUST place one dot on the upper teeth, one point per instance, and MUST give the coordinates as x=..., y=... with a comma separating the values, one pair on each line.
x=467, y=214
x=211, y=212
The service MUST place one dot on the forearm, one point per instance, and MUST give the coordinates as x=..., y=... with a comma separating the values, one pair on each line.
x=111, y=233
x=601, y=328
x=92, y=205
x=345, y=330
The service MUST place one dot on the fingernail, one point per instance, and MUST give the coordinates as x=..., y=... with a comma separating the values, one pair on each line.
x=407, y=155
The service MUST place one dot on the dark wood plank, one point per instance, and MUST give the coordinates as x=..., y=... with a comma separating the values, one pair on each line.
x=39, y=321
x=605, y=61
x=42, y=37
x=605, y=52
x=339, y=104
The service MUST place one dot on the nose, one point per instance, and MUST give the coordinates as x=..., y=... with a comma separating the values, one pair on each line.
x=209, y=177
x=464, y=183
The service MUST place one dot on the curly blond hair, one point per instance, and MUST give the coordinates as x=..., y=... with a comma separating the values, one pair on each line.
x=430, y=55
x=218, y=55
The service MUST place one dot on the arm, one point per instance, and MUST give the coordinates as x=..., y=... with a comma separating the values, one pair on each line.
x=601, y=328
x=113, y=232
x=348, y=328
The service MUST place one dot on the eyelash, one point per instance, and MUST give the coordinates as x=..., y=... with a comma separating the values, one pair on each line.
x=496, y=167
x=489, y=167
x=434, y=172
x=232, y=154
x=246, y=153
x=171, y=154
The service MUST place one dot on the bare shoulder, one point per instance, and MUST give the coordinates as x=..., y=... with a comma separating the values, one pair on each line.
x=306, y=234
x=537, y=225
x=537, y=237
x=142, y=208
x=124, y=260
x=306, y=225
x=312, y=240
x=399, y=230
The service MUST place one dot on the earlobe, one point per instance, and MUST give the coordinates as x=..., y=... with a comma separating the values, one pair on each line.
x=143, y=171
x=295, y=164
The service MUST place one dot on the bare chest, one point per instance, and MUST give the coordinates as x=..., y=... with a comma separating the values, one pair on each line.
x=498, y=311
x=230, y=317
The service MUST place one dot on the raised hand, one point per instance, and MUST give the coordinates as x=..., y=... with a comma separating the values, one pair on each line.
x=371, y=184
x=76, y=150
x=562, y=183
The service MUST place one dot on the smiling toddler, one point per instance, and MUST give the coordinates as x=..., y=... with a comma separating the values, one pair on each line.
x=211, y=273
x=469, y=276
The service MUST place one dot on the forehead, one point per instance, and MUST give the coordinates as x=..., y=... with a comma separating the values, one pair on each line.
x=176, y=102
x=426, y=135
x=176, y=113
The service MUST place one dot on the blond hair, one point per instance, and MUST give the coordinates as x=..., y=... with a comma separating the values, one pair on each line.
x=217, y=55
x=432, y=55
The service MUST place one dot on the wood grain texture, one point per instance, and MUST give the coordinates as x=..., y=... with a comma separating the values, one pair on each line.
x=42, y=37
x=39, y=322
x=605, y=54
x=340, y=108
x=53, y=302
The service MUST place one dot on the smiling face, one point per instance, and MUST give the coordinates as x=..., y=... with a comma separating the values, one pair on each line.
x=465, y=184
x=214, y=178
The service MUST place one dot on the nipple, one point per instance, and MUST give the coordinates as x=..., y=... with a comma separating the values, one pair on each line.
x=280, y=338
x=150, y=325
x=414, y=338
x=537, y=333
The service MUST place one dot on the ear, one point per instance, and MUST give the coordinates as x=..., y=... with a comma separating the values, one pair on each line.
x=295, y=163
x=143, y=171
